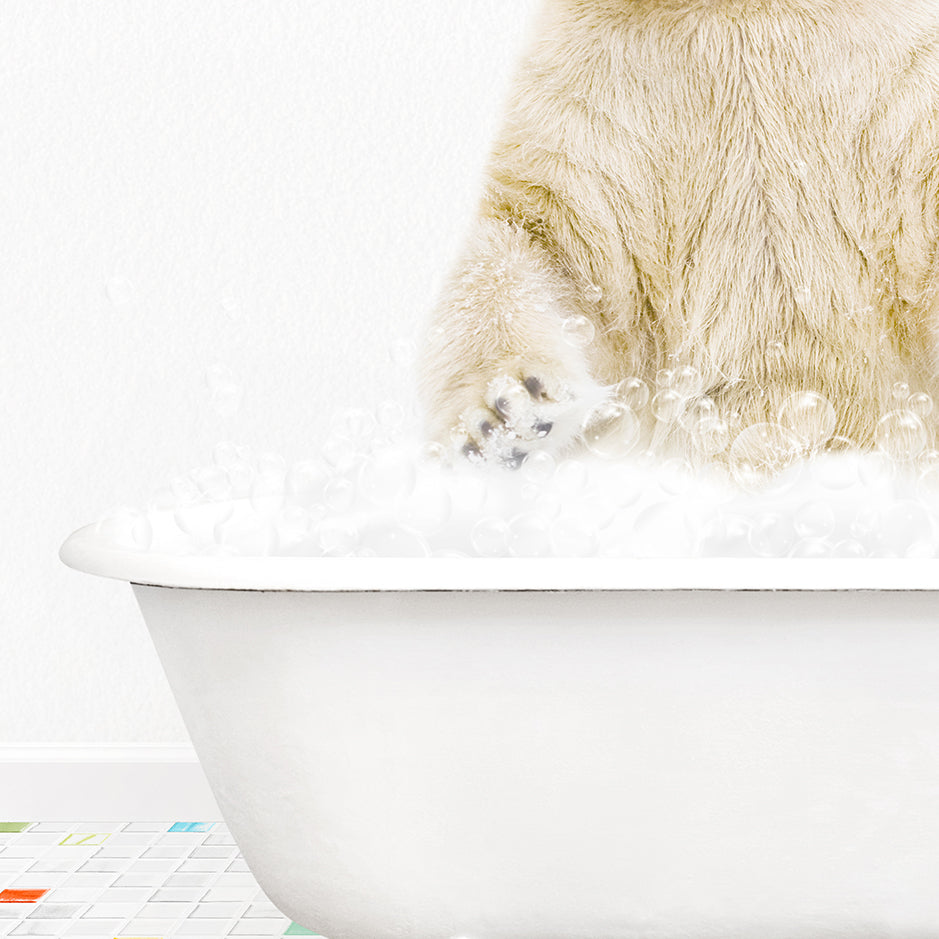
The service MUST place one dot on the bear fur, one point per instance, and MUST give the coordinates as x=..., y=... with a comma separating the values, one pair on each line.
x=746, y=187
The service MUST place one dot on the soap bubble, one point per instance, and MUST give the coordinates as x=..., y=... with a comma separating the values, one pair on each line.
x=427, y=508
x=578, y=331
x=572, y=537
x=355, y=424
x=610, y=430
x=928, y=482
x=528, y=536
x=802, y=294
x=468, y=493
x=921, y=404
x=267, y=491
x=120, y=291
x=434, y=454
x=772, y=536
x=849, y=548
x=570, y=477
x=921, y=549
x=490, y=537
x=809, y=416
x=662, y=530
x=340, y=453
x=200, y=520
x=305, y=482
x=675, y=476
x=212, y=482
x=250, y=536
x=710, y=436
x=241, y=476
x=293, y=525
x=268, y=462
x=723, y=536
x=388, y=476
x=837, y=471
x=394, y=541
x=337, y=537
x=593, y=293
x=688, y=381
x=700, y=408
x=814, y=520
x=510, y=397
x=126, y=527
x=762, y=454
x=185, y=490
x=667, y=405
x=226, y=454
x=632, y=392
x=876, y=469
x=539, y=467
x=905, y=524
x=901, y=435
x=162, y=499
x=900, y=393
x=391, y=417
x=664, y=378
x=339, y=494
x=811, y=548
x=866, y=527
x=597, y=512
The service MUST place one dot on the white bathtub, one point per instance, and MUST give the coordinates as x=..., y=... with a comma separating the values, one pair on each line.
x=439, y=748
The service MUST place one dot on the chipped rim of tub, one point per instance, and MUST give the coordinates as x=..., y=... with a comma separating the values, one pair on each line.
x=86, y=550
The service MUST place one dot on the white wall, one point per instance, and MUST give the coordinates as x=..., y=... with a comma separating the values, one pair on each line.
x=278, y=187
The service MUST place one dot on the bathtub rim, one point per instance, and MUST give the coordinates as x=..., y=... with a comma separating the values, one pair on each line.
x=86, y=551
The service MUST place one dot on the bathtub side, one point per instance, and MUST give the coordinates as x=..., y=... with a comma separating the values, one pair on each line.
x=579, y=765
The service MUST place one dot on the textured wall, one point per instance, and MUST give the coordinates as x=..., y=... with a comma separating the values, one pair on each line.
x=276, y=187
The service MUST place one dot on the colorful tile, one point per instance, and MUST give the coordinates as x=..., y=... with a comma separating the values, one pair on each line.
x=86, y=839
x=192, y=826
x=14, y=826
x=296, y=929
x=21, y=896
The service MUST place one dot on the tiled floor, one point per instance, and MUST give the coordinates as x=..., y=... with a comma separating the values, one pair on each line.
x=146, y=880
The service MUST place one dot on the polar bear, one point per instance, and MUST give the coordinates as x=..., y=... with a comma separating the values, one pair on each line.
x=746, y=190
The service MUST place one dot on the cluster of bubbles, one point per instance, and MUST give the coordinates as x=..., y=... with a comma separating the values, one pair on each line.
x=781, y=489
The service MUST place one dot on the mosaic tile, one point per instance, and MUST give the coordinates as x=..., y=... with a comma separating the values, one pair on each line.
x=86, y=838
x=132, y=880
x=213, y=851
x=297, y=930
x=50, y=927
x=34, y=838
x=42, y=882
x=260, y=927
x=189, y=880
x=14, y=826
x=149, y=927
x=95, y=927
x=21, y=895
x=54, y=910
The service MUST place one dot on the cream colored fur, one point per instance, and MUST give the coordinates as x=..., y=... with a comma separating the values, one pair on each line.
x=750, y=187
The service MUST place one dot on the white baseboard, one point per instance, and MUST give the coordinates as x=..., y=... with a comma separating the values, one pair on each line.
x=108, y=783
